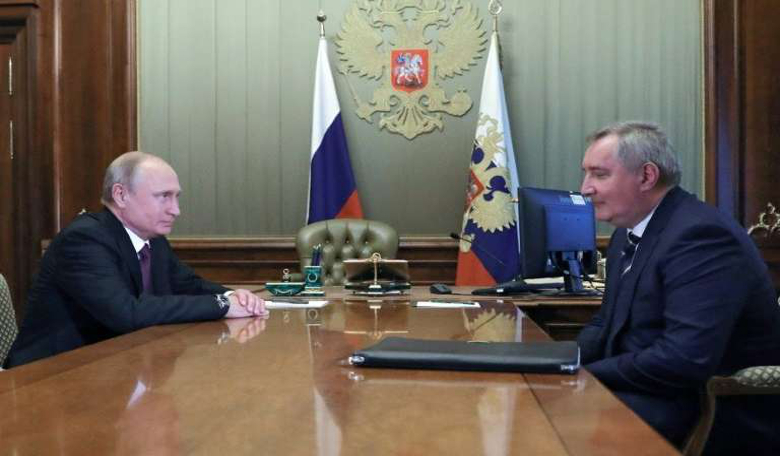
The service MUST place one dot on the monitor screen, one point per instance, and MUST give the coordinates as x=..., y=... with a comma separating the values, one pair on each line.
x=557, y=235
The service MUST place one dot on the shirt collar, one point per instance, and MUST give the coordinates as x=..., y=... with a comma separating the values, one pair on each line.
x=138, y=243
x=639, y=228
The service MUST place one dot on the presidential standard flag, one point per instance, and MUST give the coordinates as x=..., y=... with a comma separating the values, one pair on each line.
x=490, y=218
x=332, y=190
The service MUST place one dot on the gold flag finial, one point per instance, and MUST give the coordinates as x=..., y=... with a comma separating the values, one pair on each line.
x=321, y=18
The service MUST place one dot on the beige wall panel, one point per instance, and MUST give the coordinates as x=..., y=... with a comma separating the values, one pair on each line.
x=299, y=34
x=231, y=116
x=154, y=83
x=192, y=116
x=263, y=196
x=226, y=93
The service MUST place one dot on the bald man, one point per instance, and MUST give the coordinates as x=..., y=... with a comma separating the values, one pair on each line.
x=113, y=272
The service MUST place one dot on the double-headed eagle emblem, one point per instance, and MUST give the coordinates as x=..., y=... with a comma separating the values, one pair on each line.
x=488, y=196
x=394, y=42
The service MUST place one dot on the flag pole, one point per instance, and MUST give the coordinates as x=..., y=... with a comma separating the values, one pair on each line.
x=332, y=188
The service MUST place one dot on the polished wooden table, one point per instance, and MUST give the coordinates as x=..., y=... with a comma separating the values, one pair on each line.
x=283, y=387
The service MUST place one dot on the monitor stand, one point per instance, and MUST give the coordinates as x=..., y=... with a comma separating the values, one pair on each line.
x=572, y=278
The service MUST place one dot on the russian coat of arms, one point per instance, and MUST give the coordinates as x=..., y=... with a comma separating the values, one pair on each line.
x=409, y=46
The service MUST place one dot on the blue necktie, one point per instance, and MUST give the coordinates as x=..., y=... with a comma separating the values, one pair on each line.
x=145, y=258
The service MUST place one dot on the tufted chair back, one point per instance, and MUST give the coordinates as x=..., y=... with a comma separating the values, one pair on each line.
x=749, y=381
x=343, y=239
x=8, y=328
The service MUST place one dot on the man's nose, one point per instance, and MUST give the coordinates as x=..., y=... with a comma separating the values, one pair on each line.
x=173, y=209
x=586, y=188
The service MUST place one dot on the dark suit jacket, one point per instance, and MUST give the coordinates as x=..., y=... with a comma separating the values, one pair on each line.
x=89, y=287
x=697, y=301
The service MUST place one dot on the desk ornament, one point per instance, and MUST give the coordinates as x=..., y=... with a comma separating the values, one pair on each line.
x=313, y=281
x=312, y=274
x=377, y=276
x=285, y=287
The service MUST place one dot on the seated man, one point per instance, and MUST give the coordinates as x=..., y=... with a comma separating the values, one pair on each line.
x=114, y=272
x=688, y=295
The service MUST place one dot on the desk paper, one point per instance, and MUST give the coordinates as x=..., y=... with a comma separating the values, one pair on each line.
x=295, y=304
x=447, y=304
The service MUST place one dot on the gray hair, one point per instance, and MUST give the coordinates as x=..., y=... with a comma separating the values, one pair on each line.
x=123, y=170
x=640, y=143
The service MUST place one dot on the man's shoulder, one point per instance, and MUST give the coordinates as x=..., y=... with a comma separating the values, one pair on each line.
x=85, y=223
x=89, y=227
x=691, y=211
x=698, y=221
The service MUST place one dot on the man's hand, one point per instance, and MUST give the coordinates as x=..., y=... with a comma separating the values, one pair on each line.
x=244, y=303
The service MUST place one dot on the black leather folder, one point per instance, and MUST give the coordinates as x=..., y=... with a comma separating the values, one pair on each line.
x=528, y=357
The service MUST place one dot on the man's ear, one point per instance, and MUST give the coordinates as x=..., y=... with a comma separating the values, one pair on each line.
x=119, y=194
x=649, y=176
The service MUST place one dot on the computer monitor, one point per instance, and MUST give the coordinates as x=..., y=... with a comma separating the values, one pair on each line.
x=557, y=236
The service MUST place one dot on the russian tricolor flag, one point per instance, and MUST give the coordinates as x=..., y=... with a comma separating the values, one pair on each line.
x=332, y=190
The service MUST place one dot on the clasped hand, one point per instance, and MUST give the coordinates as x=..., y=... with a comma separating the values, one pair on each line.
x=244, y=303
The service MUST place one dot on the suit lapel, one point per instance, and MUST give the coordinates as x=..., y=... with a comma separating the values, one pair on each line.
x=623, y=296
x=125, y=247
x=613, y=285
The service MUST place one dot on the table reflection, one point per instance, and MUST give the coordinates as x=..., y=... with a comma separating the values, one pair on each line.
x=337, y=385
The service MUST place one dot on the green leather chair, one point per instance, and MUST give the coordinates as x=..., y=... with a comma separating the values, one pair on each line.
x=748, y=381
x=343, y=239
x=8, y=329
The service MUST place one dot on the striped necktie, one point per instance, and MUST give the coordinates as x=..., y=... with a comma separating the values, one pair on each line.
x=629, y=250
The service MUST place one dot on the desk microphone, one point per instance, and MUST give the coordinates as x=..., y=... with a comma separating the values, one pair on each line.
x=473, y=244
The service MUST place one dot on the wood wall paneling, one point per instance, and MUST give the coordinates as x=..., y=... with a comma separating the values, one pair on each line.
x=254, y=261
x=74, y=111
x=26, y=191
x=721, y=105
x=742, y=52
x=95, y=107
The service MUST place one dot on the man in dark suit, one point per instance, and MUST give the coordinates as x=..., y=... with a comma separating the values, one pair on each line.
x=114, y=272
x=688, y=295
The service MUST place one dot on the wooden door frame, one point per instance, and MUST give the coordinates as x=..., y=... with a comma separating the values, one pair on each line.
x=722, y=115
x=18, y=26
